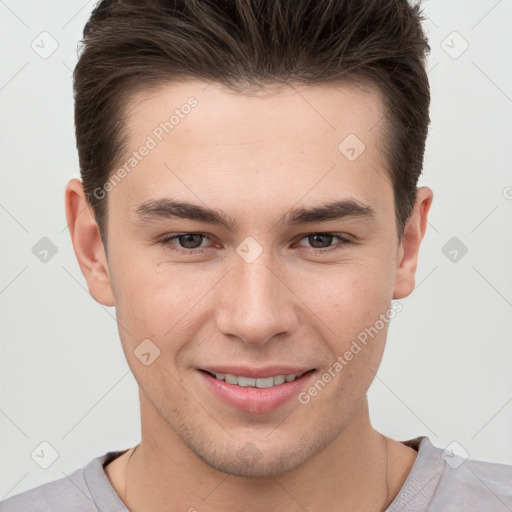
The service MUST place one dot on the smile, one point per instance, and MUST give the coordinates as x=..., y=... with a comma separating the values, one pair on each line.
x=266, y=382
x=259, y=393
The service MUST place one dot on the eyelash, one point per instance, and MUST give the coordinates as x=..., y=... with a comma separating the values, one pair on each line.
x=166, y=241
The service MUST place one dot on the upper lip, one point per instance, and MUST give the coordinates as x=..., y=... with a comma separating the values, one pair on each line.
x=256, y=373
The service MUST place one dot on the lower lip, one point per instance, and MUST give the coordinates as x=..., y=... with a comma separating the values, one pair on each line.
x=257, y=400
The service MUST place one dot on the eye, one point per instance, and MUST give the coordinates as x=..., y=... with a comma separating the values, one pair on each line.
x=189, y=242
x=319, y=240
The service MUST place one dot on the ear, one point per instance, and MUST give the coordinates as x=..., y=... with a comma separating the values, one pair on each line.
x=87, y=243
x=414, y=231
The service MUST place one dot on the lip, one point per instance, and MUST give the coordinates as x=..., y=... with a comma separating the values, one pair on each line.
x=251, y=399
x=256, y=373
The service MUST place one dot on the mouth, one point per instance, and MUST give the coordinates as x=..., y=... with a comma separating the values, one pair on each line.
x=261, y=382
x=261, y=392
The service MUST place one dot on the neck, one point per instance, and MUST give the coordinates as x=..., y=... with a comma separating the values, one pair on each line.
x=355, y=471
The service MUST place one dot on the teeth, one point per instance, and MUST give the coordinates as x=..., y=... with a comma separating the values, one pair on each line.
x=266, y=382
x=280, y=379
x=244, y=381
x=231, y=379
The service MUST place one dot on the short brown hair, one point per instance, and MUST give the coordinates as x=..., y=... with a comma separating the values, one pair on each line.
x=131, y=45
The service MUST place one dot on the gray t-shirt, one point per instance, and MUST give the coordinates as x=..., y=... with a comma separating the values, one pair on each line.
x=437, y=482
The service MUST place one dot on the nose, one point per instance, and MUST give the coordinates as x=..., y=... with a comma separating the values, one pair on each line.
x=255, y=303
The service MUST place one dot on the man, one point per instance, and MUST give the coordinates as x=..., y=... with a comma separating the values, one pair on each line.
x=220, y=144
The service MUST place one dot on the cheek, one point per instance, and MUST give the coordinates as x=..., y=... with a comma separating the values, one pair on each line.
x=348, y=297
x=153, y=311
x=160, y=302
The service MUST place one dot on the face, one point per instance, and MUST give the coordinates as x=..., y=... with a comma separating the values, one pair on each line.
x=262, y=287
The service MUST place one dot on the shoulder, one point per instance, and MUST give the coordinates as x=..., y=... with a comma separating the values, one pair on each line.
x=475, y=484
x=443, y=480
x=53, y=496
x=80, y=491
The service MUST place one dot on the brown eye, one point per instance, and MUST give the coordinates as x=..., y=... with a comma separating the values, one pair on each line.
x=320, y=240
x=190, y=240
x=185, y=243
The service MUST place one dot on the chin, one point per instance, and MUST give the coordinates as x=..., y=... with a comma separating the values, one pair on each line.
x=262, y=459
x=262, y=465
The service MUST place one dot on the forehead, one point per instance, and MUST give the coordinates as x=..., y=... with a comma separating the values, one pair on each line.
x=289, y=140
x=251, y=116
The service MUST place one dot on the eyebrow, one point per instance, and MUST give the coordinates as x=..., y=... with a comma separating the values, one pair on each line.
x=165, y=208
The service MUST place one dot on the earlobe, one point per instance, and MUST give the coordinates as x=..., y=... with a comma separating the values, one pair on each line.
x=407, y=256
x=87, y=243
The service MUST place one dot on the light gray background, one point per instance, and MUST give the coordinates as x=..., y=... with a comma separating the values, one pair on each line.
x=446, y=370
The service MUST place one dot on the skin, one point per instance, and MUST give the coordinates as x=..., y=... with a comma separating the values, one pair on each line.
x=255, y=156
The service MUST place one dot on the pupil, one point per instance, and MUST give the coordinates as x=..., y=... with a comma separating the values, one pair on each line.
x=186, y=243
x=320, y=235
